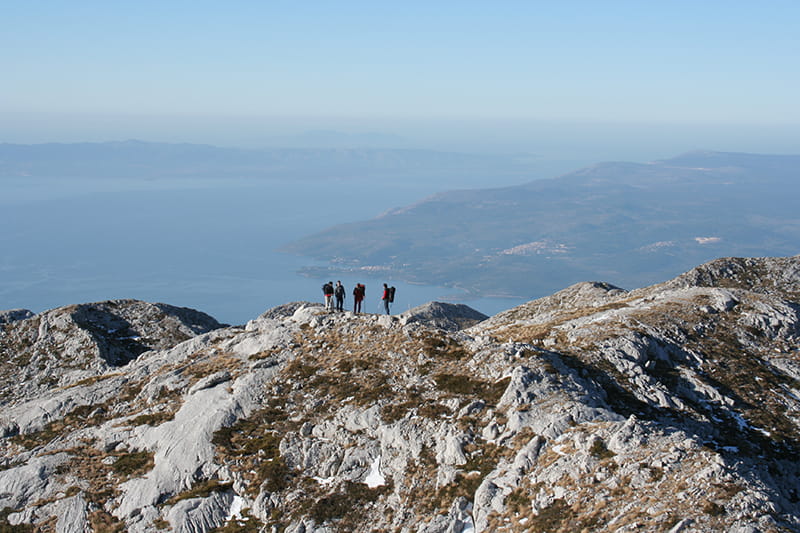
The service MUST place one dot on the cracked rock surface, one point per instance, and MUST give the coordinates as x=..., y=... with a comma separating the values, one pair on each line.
x=668, y=408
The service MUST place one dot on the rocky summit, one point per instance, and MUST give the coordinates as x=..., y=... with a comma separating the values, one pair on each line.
x=669, y=408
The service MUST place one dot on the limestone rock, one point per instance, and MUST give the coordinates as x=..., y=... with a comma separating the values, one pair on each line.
x=12, y=315
x=66, y=345
x=667, y=408
x=286, y=310
x=450, y=317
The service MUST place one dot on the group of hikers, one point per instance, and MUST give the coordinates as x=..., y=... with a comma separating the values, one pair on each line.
x=337, y=293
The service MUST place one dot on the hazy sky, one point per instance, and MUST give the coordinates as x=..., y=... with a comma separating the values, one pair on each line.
x=87, y=63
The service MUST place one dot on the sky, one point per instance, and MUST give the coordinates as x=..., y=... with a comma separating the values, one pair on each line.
x=247, y=71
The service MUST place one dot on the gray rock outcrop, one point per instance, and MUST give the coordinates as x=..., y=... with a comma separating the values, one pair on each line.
x=68, y=344
x=12, y=315
x=450, y=317
x=669, y=408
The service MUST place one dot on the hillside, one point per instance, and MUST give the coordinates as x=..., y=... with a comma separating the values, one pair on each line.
x=630, y=224
x=674, y=407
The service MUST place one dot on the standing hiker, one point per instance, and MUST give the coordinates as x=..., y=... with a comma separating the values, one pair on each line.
x=358, y=296
x=327, y=290
x=388, y=297
x=339, y=293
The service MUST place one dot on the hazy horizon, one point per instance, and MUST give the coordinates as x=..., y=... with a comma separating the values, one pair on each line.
x=579, y=80
x=556, y=86
x=552, y=148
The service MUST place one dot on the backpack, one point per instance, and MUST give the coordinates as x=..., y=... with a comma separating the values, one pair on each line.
x=391, y=294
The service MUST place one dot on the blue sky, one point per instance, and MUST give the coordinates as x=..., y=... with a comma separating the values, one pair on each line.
x=673, y=62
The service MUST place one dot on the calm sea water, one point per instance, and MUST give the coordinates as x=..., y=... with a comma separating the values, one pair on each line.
x=210, y=245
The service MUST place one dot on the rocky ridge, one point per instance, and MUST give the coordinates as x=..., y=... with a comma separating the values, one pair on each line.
x=63, y=346
x=669, y=408
x=12, y=315
x=447, y=316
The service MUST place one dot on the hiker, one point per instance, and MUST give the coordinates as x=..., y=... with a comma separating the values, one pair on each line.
x=327, y=290
x=358, y=296
x=388, y=297
x=339, y=294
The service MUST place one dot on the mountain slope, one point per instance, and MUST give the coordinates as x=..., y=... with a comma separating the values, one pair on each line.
x=631, y=224
x=669, y=408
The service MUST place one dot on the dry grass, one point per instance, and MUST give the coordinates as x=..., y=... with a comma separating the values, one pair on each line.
x=161, y=524
x=521, y=332
x=202, y=489
x=361, y=365
x=483, y=457
x=211, y=364
x=92, y=380
x=338, y=367
x=734, y=364
x=250, y=447
x=346, y=508
x=599, y=450
x=597, y=501
x=438, y=346
x=100, y=481
x=490, y=392
x=265, y=354
x=5, y=527
x=102, y=522
x=153, y=419
x=354, y=366
x=81, y=417
x=78, y=418
x=133, y=464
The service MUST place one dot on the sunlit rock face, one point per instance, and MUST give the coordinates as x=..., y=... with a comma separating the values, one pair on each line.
x=65, y=345
x=667, y=408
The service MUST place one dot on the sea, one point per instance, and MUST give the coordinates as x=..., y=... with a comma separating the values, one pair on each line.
x=207, y=244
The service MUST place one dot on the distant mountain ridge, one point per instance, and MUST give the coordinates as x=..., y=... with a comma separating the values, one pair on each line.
x=140, y=159
x=629, y=223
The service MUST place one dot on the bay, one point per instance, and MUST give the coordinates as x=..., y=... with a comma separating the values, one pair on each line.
x=206, y=244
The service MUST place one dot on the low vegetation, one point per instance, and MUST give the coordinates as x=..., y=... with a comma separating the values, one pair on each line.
x=251, y=447
x=345, y=508
x=200, y=490
x=439, y=346
x=133, y=464
x=467, y=386
x=654, y=411
x=6, y=527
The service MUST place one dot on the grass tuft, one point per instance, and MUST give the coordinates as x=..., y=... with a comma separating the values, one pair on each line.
x=201, y=490
x=133, y=464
